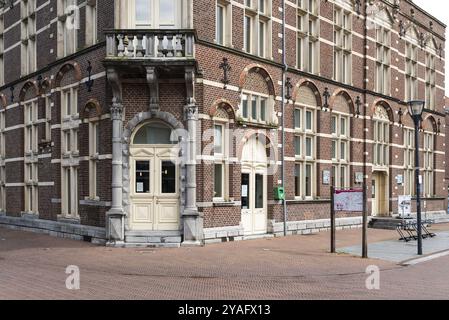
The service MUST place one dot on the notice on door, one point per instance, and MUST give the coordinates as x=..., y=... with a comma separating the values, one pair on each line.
x=139, y=187
x=244, y=190
x=348, y=201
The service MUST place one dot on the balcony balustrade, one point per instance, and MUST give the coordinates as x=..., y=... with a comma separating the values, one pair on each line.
x=143, y=44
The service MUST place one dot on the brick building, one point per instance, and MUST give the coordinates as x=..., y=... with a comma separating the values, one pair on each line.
x=160, y=122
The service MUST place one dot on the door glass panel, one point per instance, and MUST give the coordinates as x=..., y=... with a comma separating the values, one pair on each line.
x=168, y=177
x=142, y=176
x=167, y=12
x=259, y=191
x=143, y=12
x=245, y=191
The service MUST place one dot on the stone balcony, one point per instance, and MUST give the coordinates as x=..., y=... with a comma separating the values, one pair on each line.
x=162, y=47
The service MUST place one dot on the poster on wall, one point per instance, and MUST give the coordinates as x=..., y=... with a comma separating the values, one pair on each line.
x=348, y=200
x=405, y=206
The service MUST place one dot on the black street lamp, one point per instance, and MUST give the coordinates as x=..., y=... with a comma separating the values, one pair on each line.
x=416, y=109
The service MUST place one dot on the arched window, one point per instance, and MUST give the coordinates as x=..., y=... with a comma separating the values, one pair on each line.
x=305, y=143
x=154, y=132
x=381, y=137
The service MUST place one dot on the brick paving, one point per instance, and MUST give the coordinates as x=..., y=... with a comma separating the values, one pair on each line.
x=32, y=266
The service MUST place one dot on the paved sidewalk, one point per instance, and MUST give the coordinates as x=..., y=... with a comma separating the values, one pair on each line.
x=33, y=266
x=400, y=251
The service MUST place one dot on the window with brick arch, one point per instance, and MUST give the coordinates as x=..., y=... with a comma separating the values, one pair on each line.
x=305, y=144
x=381, y=138
x=2, y=161
x=428, y=165
x=221, y=156
x=308, y=34
x=409, y=162
x=257, y=28
x=31, y=156
x=28, y=36
x=69, y=152
x=342, y=45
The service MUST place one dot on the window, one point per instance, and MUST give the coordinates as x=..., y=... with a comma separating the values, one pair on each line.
x=28, y=38
x=91, y=22
x=154, y=14
x=94, y=152
x=31, y=156
x=68, y=25
x=340, y=150
x=409, y=162
x=428, y=166
x=411, y=72
x=48, y=106
x=2, y=162
x=343, y=46
x=383, y=57
x=254, y=108
x=256, y=26
x=69, y=152
x=2, y=48
x=223, y=23
x=381, y=147
x=307, y=36
x=220, y=24
x=221, y=156
x=430, y=81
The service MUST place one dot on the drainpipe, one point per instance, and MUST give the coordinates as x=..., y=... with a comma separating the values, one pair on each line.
x=284, y=70
x=365, y=197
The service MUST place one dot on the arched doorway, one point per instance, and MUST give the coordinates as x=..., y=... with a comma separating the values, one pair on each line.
x=154, y=188
x=254, y=187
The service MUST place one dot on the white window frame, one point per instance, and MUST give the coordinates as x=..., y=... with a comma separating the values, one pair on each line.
x=342, y=45
x=31, y=152
x=308, y=35
x=155, y=22
x=257, y=18
x=341, y=160
x=28, y=37
x=409, y=162
x=91, y=33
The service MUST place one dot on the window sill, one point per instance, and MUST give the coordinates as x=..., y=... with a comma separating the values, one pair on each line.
x=225, y=204
x=257, y=124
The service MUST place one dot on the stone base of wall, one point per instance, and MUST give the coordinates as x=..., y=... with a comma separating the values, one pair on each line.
x=54, y=228
x=312, y=226
x=223, y=234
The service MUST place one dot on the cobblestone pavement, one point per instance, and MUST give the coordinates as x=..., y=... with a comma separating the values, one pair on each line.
x=33, y=266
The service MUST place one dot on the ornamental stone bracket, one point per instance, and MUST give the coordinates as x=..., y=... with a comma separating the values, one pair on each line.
x=153, y=85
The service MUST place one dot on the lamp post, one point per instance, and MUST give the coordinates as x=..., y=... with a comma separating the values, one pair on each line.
x=416, y=109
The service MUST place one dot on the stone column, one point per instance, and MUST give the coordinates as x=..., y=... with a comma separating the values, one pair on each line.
x=115, y=217
x=193, y=222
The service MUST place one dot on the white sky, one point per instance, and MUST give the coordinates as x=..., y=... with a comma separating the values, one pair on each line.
x=440, y=10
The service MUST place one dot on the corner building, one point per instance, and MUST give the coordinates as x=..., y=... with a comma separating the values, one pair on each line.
x=158, y=122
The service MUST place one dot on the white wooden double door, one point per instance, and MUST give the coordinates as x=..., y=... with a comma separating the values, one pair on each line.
x=154, y=189
x=254, y=188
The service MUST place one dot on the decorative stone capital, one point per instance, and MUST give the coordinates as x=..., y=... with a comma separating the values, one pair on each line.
x=191, y=112
x=116, y=111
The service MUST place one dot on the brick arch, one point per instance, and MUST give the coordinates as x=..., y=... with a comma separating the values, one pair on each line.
x=46, y=85
x=226, y=105
x=345, y=94
x=429, y=122
x=67, y=67
x=385, y=105
x=29, y=85
x=3, y=101
x=91, y=104
x=260, y=70
x=308, y=83
x=248, y=134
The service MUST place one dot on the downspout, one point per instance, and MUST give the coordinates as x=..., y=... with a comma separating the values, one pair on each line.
x=365, y=79
x=284, y=70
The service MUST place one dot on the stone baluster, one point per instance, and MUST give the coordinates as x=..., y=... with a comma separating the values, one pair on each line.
x=130, y=47
x=139, y=45
x=170, y=46
x=121, y=45
x=160, y=46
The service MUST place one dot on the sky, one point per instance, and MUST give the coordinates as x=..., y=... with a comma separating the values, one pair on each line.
x=440, y=10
